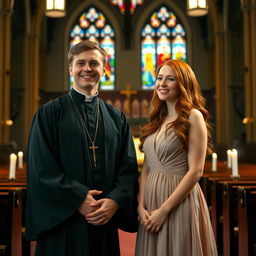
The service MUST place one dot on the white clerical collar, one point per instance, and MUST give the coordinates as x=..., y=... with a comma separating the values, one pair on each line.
x=88, y=98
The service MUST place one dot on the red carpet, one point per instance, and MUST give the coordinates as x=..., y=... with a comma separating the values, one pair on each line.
x=127, y=243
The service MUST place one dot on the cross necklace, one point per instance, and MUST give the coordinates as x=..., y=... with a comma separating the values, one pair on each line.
x=92, y=140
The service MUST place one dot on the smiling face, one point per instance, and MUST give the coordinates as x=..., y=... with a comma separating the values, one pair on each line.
x=87, y=69
x=166, y=84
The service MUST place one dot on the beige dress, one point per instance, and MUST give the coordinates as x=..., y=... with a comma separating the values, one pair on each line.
x=188, y=230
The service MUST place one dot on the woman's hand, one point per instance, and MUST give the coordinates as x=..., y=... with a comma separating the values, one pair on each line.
x=143, y=215
x=156, y=220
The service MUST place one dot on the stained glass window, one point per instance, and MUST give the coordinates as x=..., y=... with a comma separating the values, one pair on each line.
x=121, y=4
x=163, y=37
x=94, y=26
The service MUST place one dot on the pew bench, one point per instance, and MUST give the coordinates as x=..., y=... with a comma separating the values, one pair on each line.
x=230, y=216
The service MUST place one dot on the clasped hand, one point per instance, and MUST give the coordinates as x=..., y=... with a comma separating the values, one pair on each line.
x=97, y=212
x=152, y=221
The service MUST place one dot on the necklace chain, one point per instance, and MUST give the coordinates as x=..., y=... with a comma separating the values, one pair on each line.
x=92, y=141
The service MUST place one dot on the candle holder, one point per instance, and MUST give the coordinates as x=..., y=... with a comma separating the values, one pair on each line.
x=12, y=180
x=237, y=177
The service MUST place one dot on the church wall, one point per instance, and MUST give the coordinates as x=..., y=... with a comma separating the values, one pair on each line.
x=54, y=47
x=127, y=60
x=54, y=66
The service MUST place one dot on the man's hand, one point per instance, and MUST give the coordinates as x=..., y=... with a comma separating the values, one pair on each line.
x=106, y=209
x=86, y=206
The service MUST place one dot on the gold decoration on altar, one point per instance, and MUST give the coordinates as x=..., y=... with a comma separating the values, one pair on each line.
x=139, y=154
x=127, y=103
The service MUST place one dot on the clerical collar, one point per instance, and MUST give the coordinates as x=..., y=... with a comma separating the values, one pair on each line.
x=88, y=98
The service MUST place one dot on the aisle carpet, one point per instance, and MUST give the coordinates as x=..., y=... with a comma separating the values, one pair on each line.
x=127, y=243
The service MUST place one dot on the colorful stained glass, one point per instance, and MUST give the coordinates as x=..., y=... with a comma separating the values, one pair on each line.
x=163, y=37
x=179, y=48
x=148, y=62
x=121, y=5
x=163, y=50
x=134, y=3
x=163, y=14
x=93, y=25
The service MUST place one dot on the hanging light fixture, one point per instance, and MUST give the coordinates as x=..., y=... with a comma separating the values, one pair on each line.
x=197, y=8
x=55, y=8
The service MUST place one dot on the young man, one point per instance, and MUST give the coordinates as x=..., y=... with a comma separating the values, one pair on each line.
x=82, y=170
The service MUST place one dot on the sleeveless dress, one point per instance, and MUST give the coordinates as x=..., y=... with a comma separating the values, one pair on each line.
x=188, y=229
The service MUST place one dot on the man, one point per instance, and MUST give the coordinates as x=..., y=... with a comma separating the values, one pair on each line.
x=82, y=170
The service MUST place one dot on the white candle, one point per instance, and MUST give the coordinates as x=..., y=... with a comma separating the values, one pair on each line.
x=12, y=170
x=20, y=159
x=214, y=162
x=229, y=158
x=234, y=163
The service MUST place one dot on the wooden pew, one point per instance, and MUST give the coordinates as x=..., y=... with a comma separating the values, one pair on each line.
x=230, y=213
x=246, y=220
x=13, y=216
x=212, y=189
x=11, y=205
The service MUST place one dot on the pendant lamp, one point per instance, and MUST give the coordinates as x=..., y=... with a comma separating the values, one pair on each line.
x=197, y=8
x=55, y=8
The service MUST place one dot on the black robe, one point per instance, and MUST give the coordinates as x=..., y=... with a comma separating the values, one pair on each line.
x=60, y=173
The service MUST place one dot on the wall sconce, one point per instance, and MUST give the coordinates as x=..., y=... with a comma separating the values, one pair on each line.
x=6, y=122
x=247, y=120
x=55, y=8
x=197, y=8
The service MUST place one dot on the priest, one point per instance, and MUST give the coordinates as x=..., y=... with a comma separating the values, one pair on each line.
x=81, y=170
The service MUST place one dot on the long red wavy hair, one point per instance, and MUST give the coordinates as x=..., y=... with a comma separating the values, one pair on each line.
x=190, y=96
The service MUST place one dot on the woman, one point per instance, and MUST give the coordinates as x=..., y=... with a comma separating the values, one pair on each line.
x=173, y=214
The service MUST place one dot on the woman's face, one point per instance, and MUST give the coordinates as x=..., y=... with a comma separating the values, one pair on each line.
x=166, y=84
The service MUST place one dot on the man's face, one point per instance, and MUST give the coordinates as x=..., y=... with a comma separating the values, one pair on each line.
x=87, y=69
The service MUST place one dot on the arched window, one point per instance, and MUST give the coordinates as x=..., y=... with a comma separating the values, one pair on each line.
x=163, y=37
x=94, y=26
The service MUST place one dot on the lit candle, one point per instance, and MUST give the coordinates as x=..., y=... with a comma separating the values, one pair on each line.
x=229, y=158
x=20, y=159
x=214, y=162
x=234, y=163
x=12, y=170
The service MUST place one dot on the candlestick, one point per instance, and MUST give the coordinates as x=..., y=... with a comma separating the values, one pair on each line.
x=12, y=169
x=20, y=159
x=229, y=158
x=214, y=162
x=234, y=163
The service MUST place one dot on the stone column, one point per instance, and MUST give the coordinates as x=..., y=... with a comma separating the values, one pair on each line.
x=32, y=87
x=5, y=43
x=220, y=95
x=253, y=65
x=246, y=7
